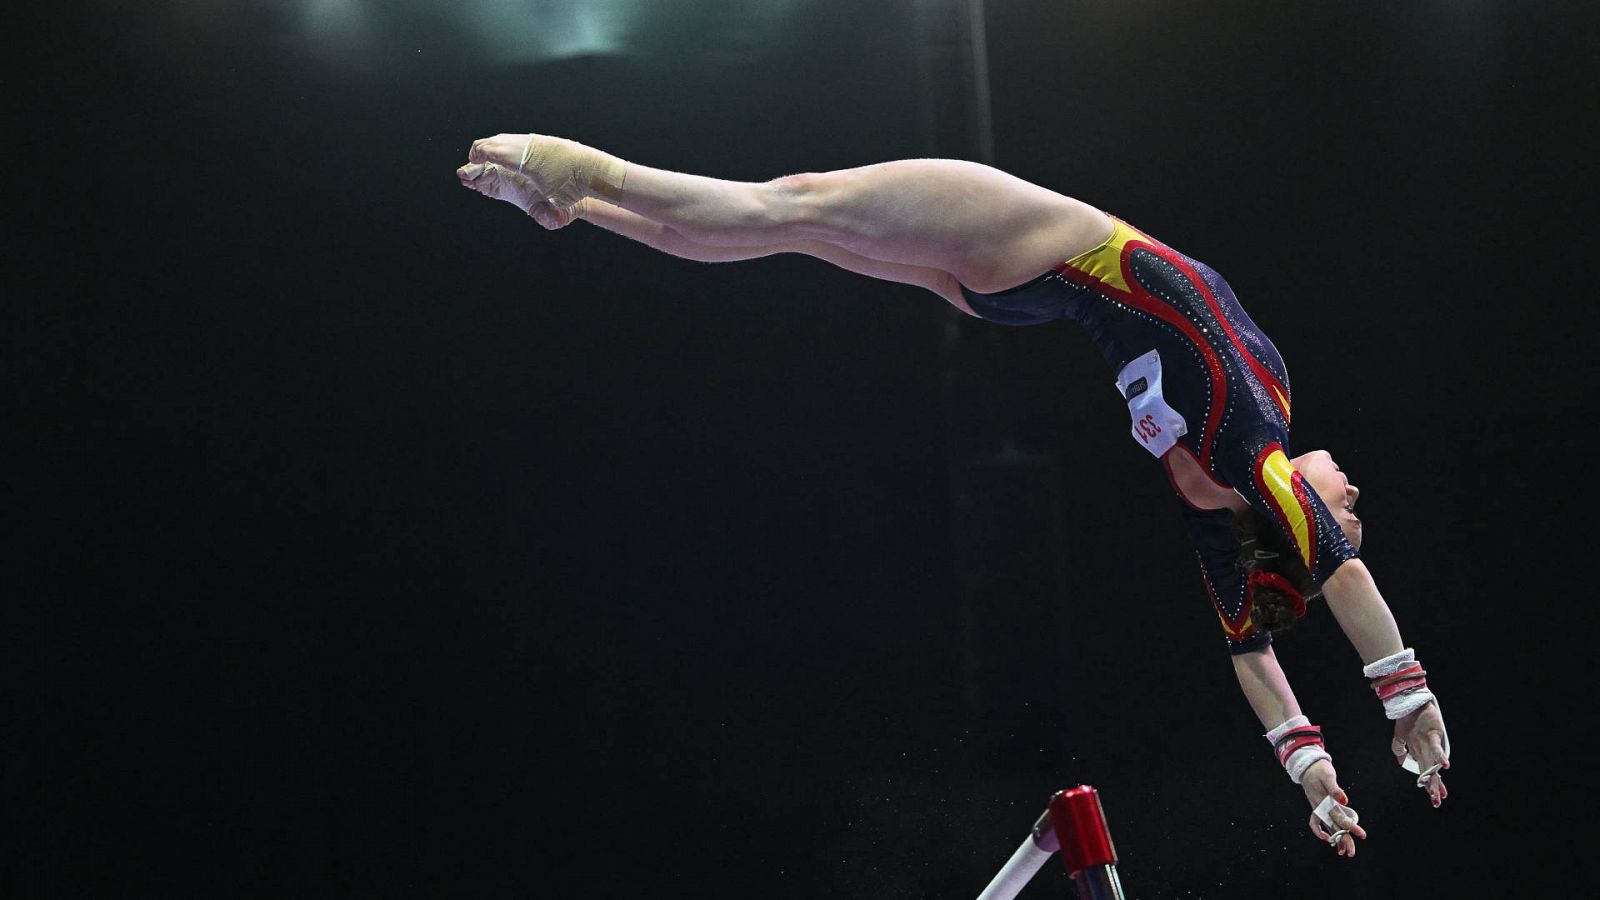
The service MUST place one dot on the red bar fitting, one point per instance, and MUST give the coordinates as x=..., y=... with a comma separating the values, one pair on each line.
x=1080, y=824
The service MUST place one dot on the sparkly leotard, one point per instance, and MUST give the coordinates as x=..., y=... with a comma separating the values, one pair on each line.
x=1216, y=386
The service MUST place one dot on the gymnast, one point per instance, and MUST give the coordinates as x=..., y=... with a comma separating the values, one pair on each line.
x=1206, y=390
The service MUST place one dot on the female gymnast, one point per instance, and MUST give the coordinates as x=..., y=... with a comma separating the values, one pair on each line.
x=1207, y=392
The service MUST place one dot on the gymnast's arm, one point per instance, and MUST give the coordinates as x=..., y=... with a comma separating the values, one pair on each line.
x=1361, y=612
x=667, y=240
x=1219, y=543
x=1268, y=692
x=1265, y=686
x=1366, y=620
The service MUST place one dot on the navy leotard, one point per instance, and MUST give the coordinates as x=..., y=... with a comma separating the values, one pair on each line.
x=1141, y=301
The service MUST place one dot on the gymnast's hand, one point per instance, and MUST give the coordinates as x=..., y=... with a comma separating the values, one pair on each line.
x=1422, y=734
x=1321, y=782
x=501, y=183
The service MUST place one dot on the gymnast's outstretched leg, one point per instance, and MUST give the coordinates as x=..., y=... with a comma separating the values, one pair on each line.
x=989, y=229
x=517, y=190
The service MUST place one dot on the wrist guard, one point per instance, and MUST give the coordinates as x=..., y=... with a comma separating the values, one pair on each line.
x=1298, y=744
x=1400, y=682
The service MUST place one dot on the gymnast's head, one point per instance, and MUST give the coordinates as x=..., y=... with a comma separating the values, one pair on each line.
x=1337, y=493
x=1277, y=581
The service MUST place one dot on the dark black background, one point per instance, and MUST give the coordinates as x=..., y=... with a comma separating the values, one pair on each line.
x=374, y=542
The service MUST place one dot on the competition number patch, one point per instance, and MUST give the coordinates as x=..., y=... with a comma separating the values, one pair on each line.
x=1156, y=426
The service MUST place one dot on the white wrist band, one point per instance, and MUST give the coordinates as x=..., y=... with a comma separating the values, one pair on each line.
x=1296, y=722
x=1390, y=664
x=1406, y=700
x=1302, y=758
x=1401, y=705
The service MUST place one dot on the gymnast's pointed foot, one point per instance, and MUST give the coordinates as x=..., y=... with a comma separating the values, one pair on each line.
x=499, y=183
x=552, y=217
x=562, y=171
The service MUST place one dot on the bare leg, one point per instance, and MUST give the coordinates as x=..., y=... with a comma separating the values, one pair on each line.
x=668, y=240
x=499, y=183
x=988, y=228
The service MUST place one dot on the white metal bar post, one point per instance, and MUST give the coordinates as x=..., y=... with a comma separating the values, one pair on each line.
x=1025, y=863
x=1074, y=824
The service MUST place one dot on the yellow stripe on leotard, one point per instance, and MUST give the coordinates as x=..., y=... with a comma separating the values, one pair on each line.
x=1104, y=263
x=1231, y=631
x=1277, y=476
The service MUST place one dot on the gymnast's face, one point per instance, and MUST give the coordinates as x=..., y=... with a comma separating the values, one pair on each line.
x=1325, y=477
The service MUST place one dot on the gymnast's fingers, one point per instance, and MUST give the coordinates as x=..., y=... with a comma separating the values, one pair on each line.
x=1319, y=830
x=1436, y=790
x=1345, y=819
